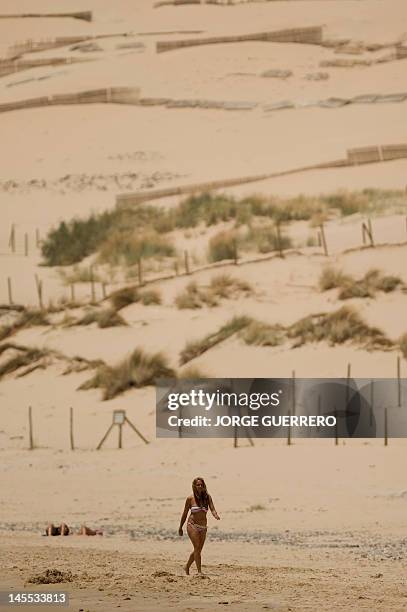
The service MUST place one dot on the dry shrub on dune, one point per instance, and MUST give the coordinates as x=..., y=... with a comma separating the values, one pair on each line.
x=331, y=278
x=104, y=318
x=30, y=317
x=150, y=297
x=222, y=246
x=258, y=333
x=198, y=347
x=131, y=295
x=193, y=373
x=138, y=370
x=337, y=327
x=367, y=286
x=222, y=286
x=26, y=356
x=128, y=247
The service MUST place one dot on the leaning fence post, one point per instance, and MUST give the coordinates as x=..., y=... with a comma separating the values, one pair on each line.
x=38, y=283
x=30, y=428
x=10, y=294
x=324, y=244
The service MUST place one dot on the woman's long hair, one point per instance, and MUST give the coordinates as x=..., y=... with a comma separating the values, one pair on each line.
x=202, y=497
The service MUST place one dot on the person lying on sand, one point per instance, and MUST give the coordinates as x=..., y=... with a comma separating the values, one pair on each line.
x=64, y=530
x=198, y=503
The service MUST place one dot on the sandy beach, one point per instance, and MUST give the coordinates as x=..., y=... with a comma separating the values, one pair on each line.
x=307, y=526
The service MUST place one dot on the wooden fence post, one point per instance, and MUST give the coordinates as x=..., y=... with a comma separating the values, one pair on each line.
x=12, y=239
x=30, y=428
x=92, y=285
x=293, y=389
x=279, y=241
x=72, y=292
x=38, y=283
x=37, y=237
x=324, y=244
x=71, y=428
x=10, y=293
x=120, y=435
x=26, y=245
x=386, y=433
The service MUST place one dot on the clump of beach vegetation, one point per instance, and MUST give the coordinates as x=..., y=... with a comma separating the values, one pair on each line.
x=140, y=369
x=222, y=286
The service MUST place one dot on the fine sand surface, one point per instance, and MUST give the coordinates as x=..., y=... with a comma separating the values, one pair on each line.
x=311, y=526
x=306, y=535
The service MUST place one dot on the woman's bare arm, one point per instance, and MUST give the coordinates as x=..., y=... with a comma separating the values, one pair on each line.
x=184, y=515
x=213, y=509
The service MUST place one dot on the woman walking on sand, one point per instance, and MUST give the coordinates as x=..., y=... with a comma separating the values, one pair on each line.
x=198, y=503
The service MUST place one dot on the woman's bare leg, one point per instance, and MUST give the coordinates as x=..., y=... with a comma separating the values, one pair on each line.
x=194, y=536
x=189, y=562
x=50, y=529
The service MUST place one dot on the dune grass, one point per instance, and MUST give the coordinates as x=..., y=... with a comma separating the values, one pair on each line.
x=338, y=327
x=140, y=369
x=127, y=247
x=26, y=356
x=132, y=295
x=222, y=286
x=228, y=244
x=30, y=317
x=107, y=317
x=349, y=287
x=193, y=373
x=119, y=234
x=258, y=333
x=198, y=347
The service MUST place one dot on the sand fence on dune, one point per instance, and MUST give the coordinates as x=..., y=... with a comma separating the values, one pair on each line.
x=82, y=15
x=357, y=156
x=311, y=35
